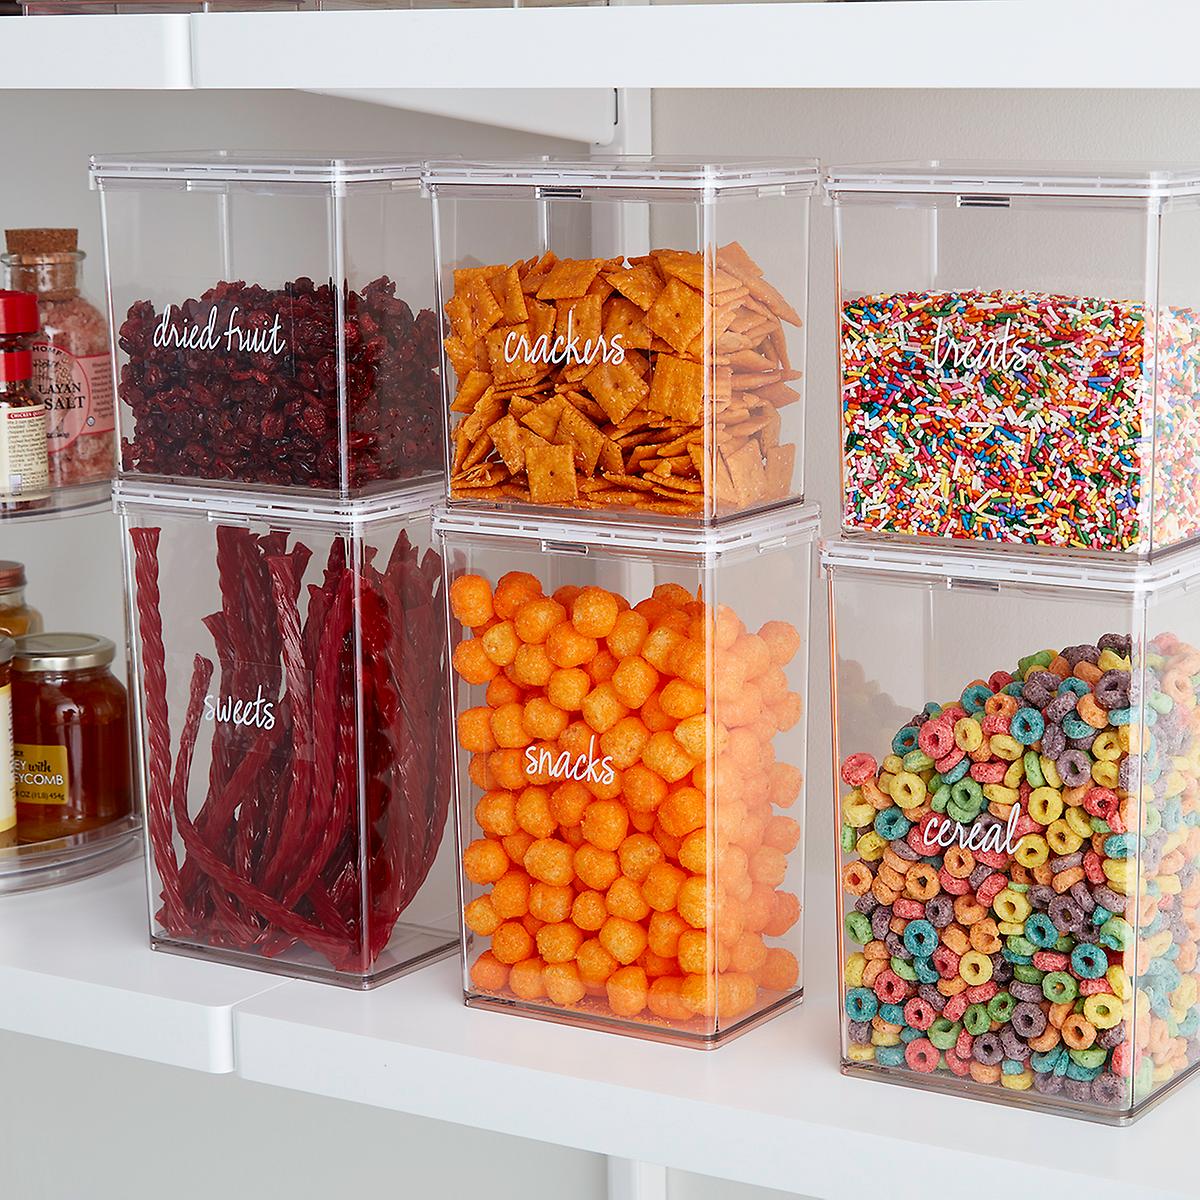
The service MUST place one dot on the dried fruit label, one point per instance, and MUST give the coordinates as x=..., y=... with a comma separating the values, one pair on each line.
x=42, y=774
x=175, y=331
x=77, y=391
x=8, y=785
x=23, y=467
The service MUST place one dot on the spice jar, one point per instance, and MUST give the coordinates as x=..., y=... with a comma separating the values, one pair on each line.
x=23, y=464
x=8, y=786
x=72, y=362
x=70, y=735
x=16, y=616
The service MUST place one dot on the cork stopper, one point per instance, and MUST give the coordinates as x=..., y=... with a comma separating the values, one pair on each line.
x=36, y=242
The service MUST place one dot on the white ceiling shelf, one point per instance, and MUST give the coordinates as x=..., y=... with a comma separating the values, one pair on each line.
x=769, y=1109
x=918, y=43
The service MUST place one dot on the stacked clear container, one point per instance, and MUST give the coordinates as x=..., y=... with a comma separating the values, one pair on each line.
x=1015, y=748
x=278, y=385
x=628, y=576
x=1018, y=353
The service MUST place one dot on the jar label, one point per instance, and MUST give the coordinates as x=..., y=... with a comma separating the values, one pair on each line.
x=23, y=467
x=42, y=774
x=8, y=785
x=77, y=391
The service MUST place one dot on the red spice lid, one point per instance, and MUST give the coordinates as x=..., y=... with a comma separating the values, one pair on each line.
x=12, y=575
x=15, y=366
x=18, y=313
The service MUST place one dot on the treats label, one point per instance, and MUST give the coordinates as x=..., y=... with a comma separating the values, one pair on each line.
x=174, y=331
x=42, y=774
x=8, y=791
x=77, y=392
x=586, y=768
x=955, y=355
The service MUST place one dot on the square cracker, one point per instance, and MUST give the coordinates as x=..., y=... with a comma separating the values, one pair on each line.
x=551, y=471
x=640, y=283
x=625, y=320
x=571, y=277
x=677, y=389
x=617, y=387
x=677, y=316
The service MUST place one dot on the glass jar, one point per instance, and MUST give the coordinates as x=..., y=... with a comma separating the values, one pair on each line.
x=23, y=470
x=70, y=734
x=8, y=787
x=17, y=617
x=72, y=360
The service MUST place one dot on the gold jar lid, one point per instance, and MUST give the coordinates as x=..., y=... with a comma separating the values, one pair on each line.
x=56, y=652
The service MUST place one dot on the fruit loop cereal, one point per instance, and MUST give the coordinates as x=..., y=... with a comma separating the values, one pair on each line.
x=1018, y=417
x=1021, y=884
x=630, y=840
x=588, y=383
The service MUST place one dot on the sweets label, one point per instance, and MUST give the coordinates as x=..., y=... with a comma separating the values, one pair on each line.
x=258, y=713
x=42, y=774
x=586, y=768
x=8, y=791
x=942, y=833
x=174, y=331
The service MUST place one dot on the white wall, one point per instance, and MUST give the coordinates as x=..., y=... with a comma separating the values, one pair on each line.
x=135, y=1121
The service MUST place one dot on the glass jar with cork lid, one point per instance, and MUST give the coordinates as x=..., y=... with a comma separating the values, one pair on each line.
x=72, y=361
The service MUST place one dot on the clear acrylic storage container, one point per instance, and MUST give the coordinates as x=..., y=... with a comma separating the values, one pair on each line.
x=625, y=337
x=629, y=710
x=272, y=320
x=1020, y=345
x=289, y=682
x=1017, y=759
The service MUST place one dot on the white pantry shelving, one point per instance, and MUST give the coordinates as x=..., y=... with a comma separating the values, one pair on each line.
x=769, y=1109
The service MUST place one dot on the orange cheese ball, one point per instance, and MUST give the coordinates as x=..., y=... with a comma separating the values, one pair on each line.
x=680, y=700
x=532, y=667
x=595, y=963
x=683, y=811
x=512, y=942
x=488, y=973
x=572, y=835
x=749, y=953
x=784, y=914
x=500, y=643
x=479, y=771
x=641, y=822
x=510, y=894
x=625, y=742
x=656, y=966
x=786, y=782
x=517, y=844
x=637, y=854
x=693, y=952
x=783, y=833
x=664, y=755
x=601, y=708
x=661, y=886
x=629, y=631
x=512, y=591
x=659, y=647
x=743, y=709
x=693, y=852
x=471, y=601
x=664, y=932
x=567, y=647
x=669, y=843
x=692, y=734
x=566, y=594
x=475, y=730
x=768, y=865
x=754, y=653
x=562, y=983
x=577, y=739
x=736, y=993
x=508, y=769
x=772, y=687
x=480, y=917
x=602, y=667
x=699, y=995
x=525, y=979
x=559, y=942
x=551, y=903
x=623, y=939
x=596, y=868
x=550, y=861
x=507, y=727
x=605, y=824
x=758, y=907
x=782, y=641
x=693, y=903
x=533, y=813
x=543, y=720
x=624, y=899
x=567, y=689
x=535, y=619
x=589, y=911
x=644, y=791
x=594, y=612
x=727, y=628
x=652, y=609
x=674, y=595
x=655, y=719
x=665, y=1000
x=788, y=711
x=628, y=991
x=472, y=663
x=690, y=664
x=780, y=971
x=532, y=924
x=484, y=861
x=634, y=681
x=502, y=690
x=568, y=802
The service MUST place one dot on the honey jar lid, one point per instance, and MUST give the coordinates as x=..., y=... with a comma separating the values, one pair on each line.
x=7, y=649
x=62, y=652
x=12, y=575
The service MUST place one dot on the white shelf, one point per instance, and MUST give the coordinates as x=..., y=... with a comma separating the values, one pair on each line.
x=75, y=966
x=769, y=1109
x=918, y=43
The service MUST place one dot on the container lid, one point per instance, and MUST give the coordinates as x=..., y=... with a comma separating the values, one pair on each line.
x=218, y=504
x=266, y=166
x=62, y=652
x=7, y=649
x=954, y=177
x=12, y=575
x=1014, y=566
x=18, y=313
x=763, y=531
x=641, y=172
